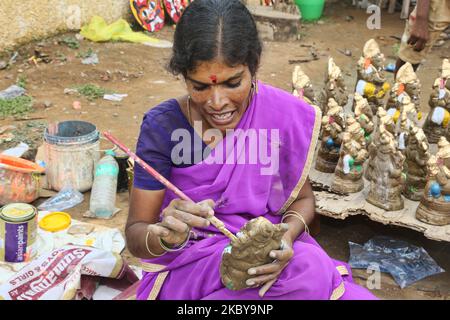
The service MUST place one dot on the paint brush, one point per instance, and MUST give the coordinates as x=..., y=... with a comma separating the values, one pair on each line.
x=214, y=221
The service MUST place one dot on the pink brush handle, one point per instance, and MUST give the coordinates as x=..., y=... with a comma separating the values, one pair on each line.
x=216, y=222
x=146, y=167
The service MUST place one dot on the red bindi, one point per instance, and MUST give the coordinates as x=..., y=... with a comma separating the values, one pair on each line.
x=213, y=78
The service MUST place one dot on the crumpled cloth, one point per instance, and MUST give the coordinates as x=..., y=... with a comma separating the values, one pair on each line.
x=99, y=31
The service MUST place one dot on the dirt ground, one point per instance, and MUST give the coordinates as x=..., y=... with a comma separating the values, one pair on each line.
x=140, y=72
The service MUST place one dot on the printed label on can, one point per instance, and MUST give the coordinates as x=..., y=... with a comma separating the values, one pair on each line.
x=16, y=238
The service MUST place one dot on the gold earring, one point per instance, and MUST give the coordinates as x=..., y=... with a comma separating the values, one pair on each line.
x=255, y=85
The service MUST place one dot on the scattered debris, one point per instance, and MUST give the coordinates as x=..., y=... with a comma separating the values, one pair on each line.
x=345, y=52
x=12, y=92
x=106, y=76
x=48, y=104
x=30, y=132
x=70, y=91
x=79, y=37
x=12, y=60
x=396, y=38
x=92, y=59
x=349, y=18
x=6, y=128
x=439, y=43
x=115, y=97
x=40, y=56
x=6, y=137
x=76, y=105
x=314, y=55
x=81, y=229
x=302, y=60
x=390, y=67
x=17, y=151
x=42, y=105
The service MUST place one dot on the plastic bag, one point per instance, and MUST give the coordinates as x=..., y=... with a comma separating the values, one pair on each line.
x=405, y=262
x=67, y=198
x=97, y=30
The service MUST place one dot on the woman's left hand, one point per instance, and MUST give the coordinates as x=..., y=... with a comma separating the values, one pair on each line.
x=267, y=274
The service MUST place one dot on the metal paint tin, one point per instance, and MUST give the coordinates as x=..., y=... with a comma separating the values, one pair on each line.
x=18, y=232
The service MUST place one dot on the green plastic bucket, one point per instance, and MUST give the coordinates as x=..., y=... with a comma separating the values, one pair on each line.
x=310, y=9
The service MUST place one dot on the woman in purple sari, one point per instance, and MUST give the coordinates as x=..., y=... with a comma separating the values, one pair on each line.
x=240, y=149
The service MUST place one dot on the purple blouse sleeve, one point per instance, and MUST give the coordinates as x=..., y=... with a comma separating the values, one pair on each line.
x=153, y=147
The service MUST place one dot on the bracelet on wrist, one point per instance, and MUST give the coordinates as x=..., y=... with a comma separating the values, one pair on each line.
x=176, y=248
x=292, y=213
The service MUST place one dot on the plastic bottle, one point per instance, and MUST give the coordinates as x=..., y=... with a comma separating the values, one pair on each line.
x=103, y=194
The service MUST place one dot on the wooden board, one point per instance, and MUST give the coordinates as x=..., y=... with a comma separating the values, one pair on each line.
x=342, y=206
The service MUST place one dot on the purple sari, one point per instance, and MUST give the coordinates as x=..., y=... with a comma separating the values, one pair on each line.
x=243, y=190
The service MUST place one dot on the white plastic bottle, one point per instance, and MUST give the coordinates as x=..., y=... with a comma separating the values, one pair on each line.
x=103, y=193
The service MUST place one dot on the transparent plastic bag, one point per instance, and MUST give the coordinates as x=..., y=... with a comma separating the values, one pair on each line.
x=67, y=198
x=405, y=262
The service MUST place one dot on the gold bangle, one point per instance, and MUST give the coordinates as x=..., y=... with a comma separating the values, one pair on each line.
x=148, y=249
x=177, y=248
x=292, y=213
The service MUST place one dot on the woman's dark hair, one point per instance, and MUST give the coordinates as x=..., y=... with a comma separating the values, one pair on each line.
x=213, y=28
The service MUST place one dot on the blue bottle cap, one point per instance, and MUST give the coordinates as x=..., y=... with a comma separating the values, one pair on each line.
x=110, y=153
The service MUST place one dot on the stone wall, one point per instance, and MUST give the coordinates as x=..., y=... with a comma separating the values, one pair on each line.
x=26, y=20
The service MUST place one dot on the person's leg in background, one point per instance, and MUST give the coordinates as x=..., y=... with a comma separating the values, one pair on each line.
x=419, y=36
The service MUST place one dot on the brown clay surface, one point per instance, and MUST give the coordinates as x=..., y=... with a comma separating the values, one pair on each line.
x=139, y=71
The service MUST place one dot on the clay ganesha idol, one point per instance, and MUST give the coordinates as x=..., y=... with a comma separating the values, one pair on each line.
x=386, y=180
x=251, y=248
x=302, y=86
x=364, y=115
x=437, y=123
x=372, y=83
x=332, y=130
x=417, y=155
x=334, y=87
x=434, y=206
x=348, y=175
x=406, y=83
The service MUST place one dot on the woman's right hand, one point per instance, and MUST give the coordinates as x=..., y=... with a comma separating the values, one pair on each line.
x=179, y=217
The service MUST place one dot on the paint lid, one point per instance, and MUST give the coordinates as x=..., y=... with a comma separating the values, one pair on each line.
x=55, y=221
x=16, y=212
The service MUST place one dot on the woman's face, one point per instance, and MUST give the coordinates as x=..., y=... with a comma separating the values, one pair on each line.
x=220, y=93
